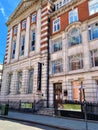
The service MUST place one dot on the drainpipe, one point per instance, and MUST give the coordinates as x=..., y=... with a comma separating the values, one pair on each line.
x=48, y=59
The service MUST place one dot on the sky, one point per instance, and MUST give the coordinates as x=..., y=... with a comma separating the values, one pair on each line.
x=7, y=7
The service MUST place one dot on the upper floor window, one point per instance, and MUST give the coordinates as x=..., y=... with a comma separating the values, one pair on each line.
x=32, y=47
x=93, y=7
x=57, y=45
x=56, y=25
x=74, y=37
x=31, y=76
x=76, y=62
x=73, y=16
x=33, y=18
x=13, y=49
x=22, y=45
x=15, y=30
x=24, y=24
x=93, y=31
x=57, y=66
x=61, y=3
x=94, y=57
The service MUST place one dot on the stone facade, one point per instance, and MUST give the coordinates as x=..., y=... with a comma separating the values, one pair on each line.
x=70, y=79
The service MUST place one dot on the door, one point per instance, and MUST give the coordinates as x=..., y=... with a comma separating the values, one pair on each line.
x=57, y=95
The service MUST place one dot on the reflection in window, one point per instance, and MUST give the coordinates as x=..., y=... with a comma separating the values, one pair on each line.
x=93, y=7
x=31, y=76
x=56, y=25
x=76, y=62
x=57, y=45
x=57, y=66
x=94, y=57
x=74, y=37
x=22, y=45
x=73, y=16
x=13, y=49
x=93, y=31
x=32, y=47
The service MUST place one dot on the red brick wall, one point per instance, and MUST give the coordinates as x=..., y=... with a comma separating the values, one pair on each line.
x=83, y=13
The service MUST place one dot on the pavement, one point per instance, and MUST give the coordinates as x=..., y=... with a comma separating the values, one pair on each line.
x=53, y=121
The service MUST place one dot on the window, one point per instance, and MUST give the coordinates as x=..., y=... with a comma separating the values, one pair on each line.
x=94, y=57
x=19, y=82
x=33, y=18
x=9, y=82
x=57, y=66
x=31, y=76
x=32, y=48
x=73, y=16
x=76, y=62
x=56, y=25
x=61, y=3
x=93, y=7
x=93, y=31
x=24, y=24
x=15, y=30
x=22, y=45
x=13, y=49
x=57, y=45
x=74, y=37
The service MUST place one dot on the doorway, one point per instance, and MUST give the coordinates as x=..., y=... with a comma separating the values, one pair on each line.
x=57, y=94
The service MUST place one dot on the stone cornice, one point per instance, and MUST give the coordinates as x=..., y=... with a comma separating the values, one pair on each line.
x=66, y=7
x=23, y=6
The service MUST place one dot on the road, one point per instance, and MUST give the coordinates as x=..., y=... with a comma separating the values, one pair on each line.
x=12, y=125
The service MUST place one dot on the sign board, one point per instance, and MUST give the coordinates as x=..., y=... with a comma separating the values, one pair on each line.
x=26, y=105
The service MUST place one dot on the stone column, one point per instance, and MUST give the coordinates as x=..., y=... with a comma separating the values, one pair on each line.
x=27, y=38
x=24, y=88
x=66, y=54
x=38, y=30
x=18, y=42
x=14, y=83
x=5, y=87
x=9, y=48
x=86, y=55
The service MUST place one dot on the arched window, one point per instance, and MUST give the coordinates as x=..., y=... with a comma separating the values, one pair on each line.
x=74, y=37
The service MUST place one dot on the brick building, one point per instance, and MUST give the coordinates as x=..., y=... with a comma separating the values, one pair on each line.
x=58, y=37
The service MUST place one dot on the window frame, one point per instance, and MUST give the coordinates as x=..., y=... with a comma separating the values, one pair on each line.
x=55, y=65
x=22, y=45
x=76, y=35
x=33, y=18
x=23, y=24
x=57, y=25
x=73, y=16
x=93, y=56
x=33, y=39
x=58, y=43
x=13, y=49
x=78, y=60
x=30, y=86
x=93, y=6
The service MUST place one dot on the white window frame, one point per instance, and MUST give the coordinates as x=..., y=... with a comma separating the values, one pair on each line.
x=24, y=24
x=55, y=63
x=94, y=54
x=13, y=49
x=72, y=15
x=33, y=38
x=93, y=4
x=15, y=30
x=56, y=25
x=22, y=45
x=33, y=18
x=57, y=42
